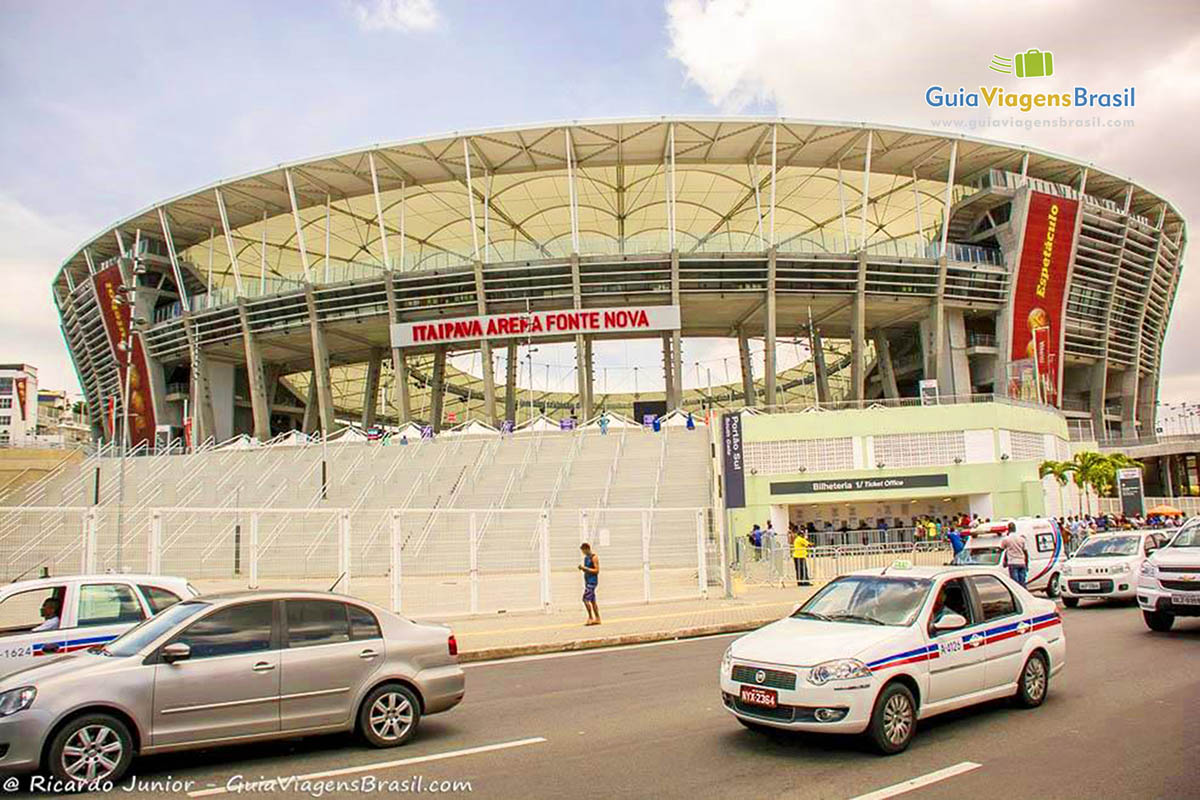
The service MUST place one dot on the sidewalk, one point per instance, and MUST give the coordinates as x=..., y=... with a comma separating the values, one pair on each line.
x=509, y=635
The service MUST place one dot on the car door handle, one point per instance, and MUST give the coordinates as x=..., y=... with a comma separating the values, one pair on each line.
x=263, y=666
x=367, y=654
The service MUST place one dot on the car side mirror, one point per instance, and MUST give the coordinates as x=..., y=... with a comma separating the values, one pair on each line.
x=949, y=622
x=176, y=651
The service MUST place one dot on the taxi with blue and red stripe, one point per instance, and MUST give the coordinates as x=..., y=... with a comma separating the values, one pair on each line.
x=52, y=616
x=876, y=651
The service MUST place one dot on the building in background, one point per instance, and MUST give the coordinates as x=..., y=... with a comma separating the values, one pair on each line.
x=18, y=404
x=62, y=420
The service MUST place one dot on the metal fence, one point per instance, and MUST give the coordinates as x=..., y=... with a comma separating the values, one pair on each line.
x=773, y=564
x=423, y=562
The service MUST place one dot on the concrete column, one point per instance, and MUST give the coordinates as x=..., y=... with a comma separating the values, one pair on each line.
x=749, y=396
x=401, y=388
x=589, y=378
x=485, y=351
x=676, y=399
x=883, y=357
x=1098, y=373
x=309, y=423
x=820, y=370
x=437, y=387
x=1129, y=403
x=259, y=402
x=510, y=383
x=937, y=365
x=668, y=370
x=858, y=333
x=769, y=334
x=958, y=365
x=371, y=387
x=203, y=424
x=320, y=366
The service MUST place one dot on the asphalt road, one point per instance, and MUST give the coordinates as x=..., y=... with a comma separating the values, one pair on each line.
x=1121, y=721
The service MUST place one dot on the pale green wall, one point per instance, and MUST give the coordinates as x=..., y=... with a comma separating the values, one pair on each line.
x=1014, y=486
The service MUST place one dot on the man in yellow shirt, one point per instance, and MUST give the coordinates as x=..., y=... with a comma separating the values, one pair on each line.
x=800, y=547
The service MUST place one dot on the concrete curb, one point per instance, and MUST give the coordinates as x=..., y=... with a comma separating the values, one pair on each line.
x=496, y=653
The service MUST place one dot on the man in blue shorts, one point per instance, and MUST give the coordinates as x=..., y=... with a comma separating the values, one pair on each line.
x=591, y=576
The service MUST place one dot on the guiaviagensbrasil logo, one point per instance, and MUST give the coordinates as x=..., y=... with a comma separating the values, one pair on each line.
x=1032, y=63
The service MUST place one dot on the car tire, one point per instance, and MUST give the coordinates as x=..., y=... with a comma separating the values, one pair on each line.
x=1034, y=682
x=91, y=748
x=1052, y=587
x=1158, y=621
x=1071, y=602
x=389, y=716
x=894, y=719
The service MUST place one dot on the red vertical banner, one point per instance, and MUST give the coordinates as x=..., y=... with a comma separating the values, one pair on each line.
x=22, y=392
x=1040, y=292
x=116, y=316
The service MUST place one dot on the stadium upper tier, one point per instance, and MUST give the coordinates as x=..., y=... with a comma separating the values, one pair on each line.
x=904, y=243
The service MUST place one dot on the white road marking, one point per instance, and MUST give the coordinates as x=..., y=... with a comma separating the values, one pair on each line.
x=918, y=782
x=380, y=765
x=596, y=650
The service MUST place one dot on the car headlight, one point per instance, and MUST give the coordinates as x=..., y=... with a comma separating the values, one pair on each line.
x=1121, y=569
x=15, y=700
x=1068, y=569
x=1149, y=570
x=839, y=670
x=727, y=661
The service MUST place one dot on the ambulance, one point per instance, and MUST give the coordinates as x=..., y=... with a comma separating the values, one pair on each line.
x=1043, y=543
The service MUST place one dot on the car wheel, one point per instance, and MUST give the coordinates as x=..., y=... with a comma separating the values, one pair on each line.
x=1159, y=621
x=1052, y=586
x=1034, y=682
x=1070, y=602
x=92, y=748
x=894, y=719
x=389, y=716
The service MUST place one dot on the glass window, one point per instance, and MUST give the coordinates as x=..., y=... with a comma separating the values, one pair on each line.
x=868, y=599
x=108, y=604
x=158, y=598
x=235, y=630
x=952, y=598
x=5, y=402
x=6, y=385
x=1103, y=546
x=995, y=600
x=24, y=611
x=312, y=622
x=139, y=636
x=363, y=624
x=5, y=419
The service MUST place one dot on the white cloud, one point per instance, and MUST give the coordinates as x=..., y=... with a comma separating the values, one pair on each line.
x=397, y=15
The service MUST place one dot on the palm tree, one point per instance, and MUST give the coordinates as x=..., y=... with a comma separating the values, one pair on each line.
x=1087, y=473
x=1061, y=470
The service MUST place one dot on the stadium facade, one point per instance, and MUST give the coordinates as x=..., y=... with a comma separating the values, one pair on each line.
x=906, y=262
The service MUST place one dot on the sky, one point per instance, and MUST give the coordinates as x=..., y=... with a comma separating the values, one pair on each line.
x=112, y=106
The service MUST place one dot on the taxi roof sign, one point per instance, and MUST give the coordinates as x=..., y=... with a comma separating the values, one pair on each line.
x=902, y=563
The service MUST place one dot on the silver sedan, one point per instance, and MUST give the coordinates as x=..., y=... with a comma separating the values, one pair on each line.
x=227, y=669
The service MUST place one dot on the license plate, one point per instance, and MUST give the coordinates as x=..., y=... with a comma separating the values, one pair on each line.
x=1089, y=586
x=1186, y=598
x=767, y=698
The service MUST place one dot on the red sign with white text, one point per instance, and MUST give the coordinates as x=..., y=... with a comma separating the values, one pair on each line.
x=116, y=317
x=22, y=391
x=1040, y=293
x=538, y=323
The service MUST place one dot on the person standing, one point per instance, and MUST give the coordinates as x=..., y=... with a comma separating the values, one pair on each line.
x=800, y=547
x=591, y=576
x=604, y=423
x=1015, y=555
x=957, y=545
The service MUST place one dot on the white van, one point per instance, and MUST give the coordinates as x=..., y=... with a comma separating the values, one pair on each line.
x=1043, y=543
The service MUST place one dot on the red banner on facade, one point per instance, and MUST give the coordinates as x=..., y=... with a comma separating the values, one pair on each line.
x=1040, y=293
x=116, y=317
x=22, y=390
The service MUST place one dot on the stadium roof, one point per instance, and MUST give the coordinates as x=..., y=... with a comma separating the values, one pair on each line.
x=520, y=198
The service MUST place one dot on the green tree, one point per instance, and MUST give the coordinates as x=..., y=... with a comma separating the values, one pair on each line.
x=1061, y=471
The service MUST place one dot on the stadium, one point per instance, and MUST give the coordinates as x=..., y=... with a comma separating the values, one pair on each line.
x=914, y=321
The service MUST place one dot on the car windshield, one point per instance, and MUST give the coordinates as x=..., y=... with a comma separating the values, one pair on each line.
x=867, y=600
x=984, y=555
x=1189, y=536
x=1101, y=546
x=135, y=639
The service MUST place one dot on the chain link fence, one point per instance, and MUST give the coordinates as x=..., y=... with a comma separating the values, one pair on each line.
x=423, y=562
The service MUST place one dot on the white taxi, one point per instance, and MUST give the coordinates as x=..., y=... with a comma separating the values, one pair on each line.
x=1107, y=565
x=877, y=650
x=1169, y=582
x=49, y=616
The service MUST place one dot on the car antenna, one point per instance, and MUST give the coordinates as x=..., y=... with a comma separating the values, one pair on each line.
x=335, y=583
x=26, y=572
